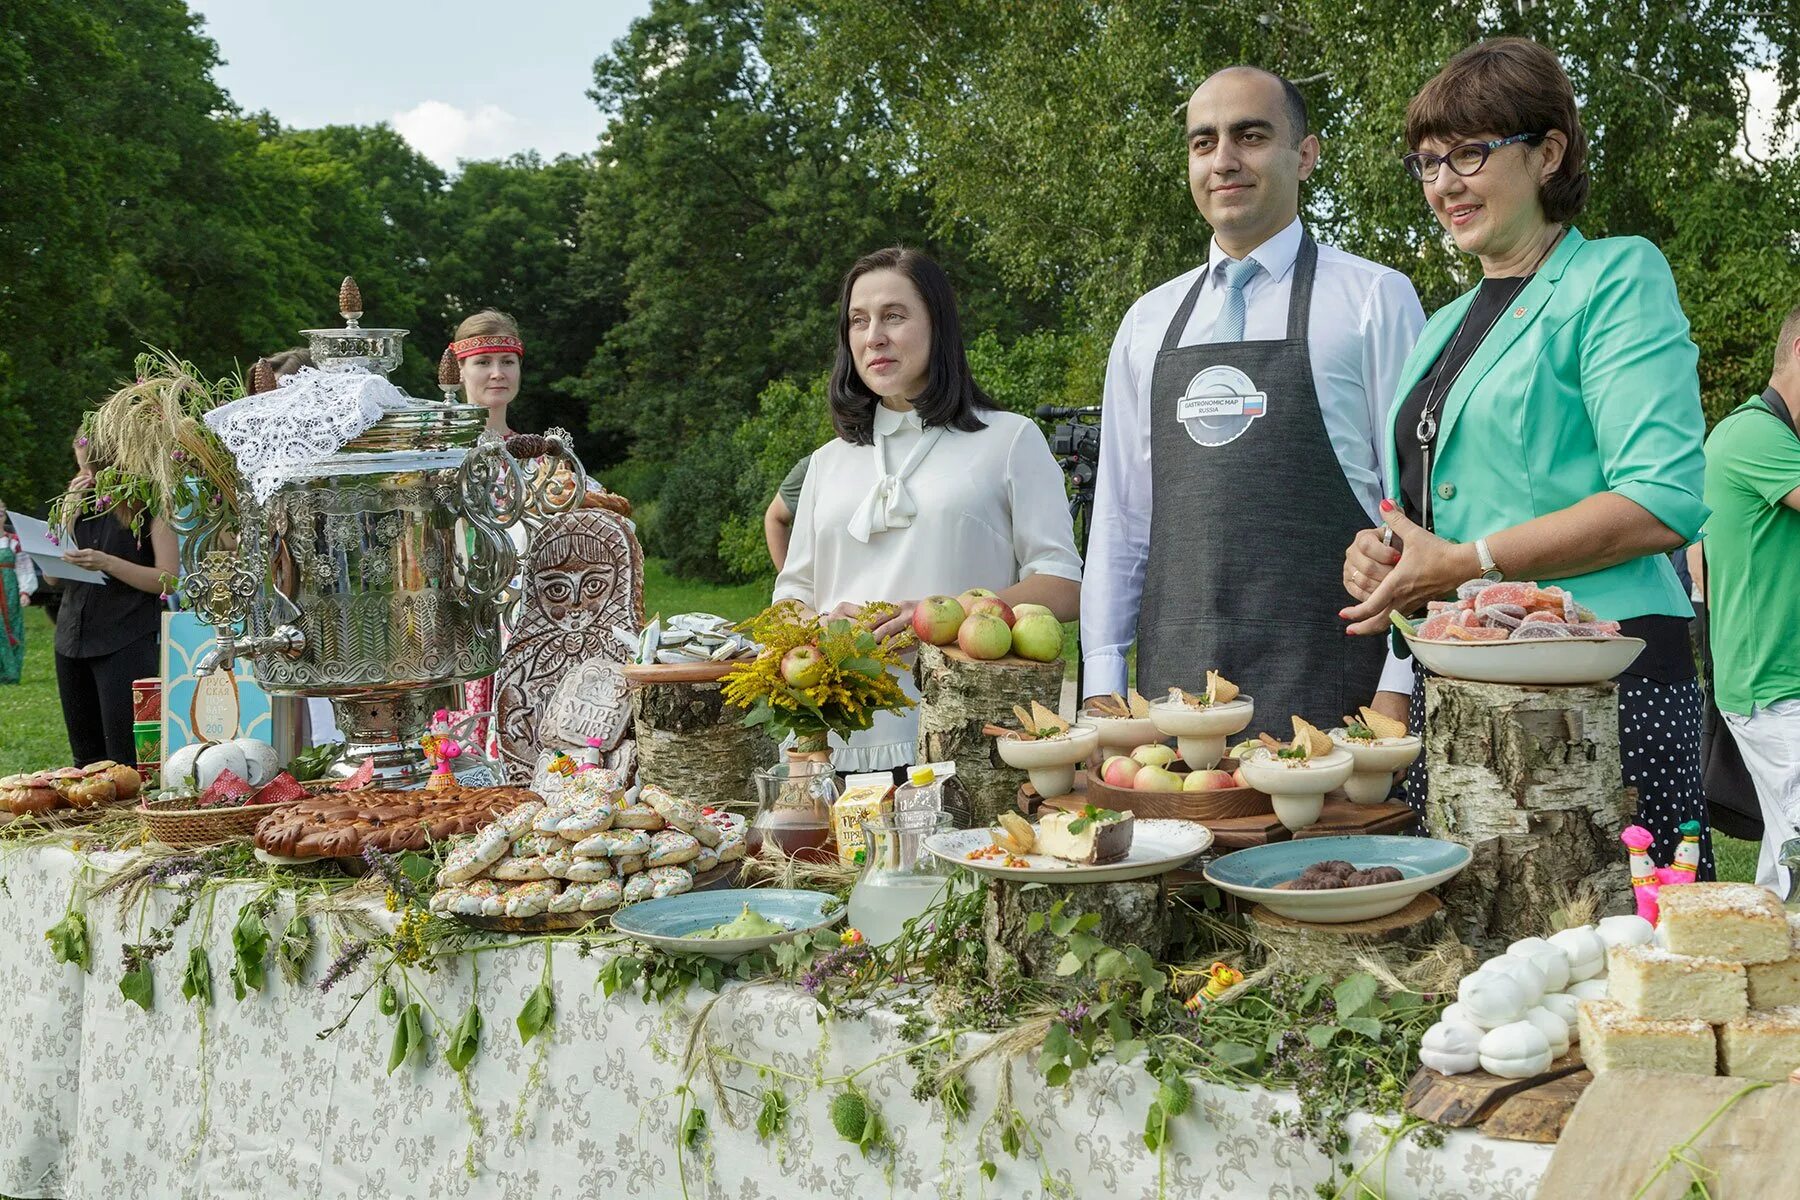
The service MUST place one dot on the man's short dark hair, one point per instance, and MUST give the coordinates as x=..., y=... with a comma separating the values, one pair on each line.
x=1293, y=104
x=1784, y=341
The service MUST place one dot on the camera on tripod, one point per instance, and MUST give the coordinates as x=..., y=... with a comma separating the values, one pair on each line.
x=1075, y=441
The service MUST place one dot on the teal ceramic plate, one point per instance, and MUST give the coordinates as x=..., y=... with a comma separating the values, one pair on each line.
x=671, y=923
x=1255, y=874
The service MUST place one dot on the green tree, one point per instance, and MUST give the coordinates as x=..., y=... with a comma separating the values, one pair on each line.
x=1053, y=128
x=509, y=242
x=734, y=203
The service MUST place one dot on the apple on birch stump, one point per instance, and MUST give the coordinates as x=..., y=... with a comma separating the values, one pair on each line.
x=1529, y=779
x=957, y=697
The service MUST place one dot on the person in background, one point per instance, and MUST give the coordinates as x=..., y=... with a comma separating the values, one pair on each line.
x=1245, y=397
x=1753, y=559
x=778, y=518
x=18, y=581
x=1548, y=425
x=928, y=489
x=491, y=353
x=109, y=633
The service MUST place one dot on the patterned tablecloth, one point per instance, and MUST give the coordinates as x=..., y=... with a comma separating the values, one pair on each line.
x=99, y=1099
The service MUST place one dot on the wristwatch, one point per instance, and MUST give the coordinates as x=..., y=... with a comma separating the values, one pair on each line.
x=1489, y=571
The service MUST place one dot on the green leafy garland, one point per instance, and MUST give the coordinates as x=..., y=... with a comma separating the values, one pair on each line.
x=1342, y=1046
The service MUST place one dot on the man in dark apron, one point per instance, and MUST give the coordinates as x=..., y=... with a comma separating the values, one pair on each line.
x=1240, y=438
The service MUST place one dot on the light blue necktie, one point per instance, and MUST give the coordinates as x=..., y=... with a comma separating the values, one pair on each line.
x=1236, y=273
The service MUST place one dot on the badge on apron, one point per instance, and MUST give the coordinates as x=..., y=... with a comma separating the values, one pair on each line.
x=1219, y=405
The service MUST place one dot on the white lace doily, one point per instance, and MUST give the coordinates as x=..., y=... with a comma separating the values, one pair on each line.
x=309, y=416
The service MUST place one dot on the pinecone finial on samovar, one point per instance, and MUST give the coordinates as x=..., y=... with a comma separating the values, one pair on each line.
x=350, y=300
x=262, y=378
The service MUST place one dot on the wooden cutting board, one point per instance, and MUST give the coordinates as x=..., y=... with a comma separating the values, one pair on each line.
x=1628, y=1121
x=1463, y=1100
x=700, y=672
x=1538, y=1114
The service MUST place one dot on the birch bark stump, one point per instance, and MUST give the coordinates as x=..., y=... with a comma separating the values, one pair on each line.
x=694, y=745
x=1132, y=913
x=1529, y=779
x=959, y=695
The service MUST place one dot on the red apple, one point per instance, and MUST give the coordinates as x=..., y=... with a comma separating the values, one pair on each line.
x=1156, y=779
x=937, y=618
x=994, y=606
x=803, y=666
x=1154, y=755
x=1207, y=781
x=1037, y=636
x=968, y=598
x=1119, y=771
x=1237, y=778
x=984, y=636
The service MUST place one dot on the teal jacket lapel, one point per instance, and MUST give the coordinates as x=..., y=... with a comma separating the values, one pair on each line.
x=1512, y=323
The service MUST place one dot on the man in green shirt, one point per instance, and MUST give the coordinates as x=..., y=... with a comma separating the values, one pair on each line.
x=778, y=520
x=1753, y=592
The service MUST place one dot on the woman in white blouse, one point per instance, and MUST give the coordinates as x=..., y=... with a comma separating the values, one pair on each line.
x=928, y=489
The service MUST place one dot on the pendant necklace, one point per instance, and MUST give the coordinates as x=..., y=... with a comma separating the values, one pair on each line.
x=1427, y=428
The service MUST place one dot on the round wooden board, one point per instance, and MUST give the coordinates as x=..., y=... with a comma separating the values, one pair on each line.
x=1379, y=929
x=1221, y=805
x=64, y=818
x=700, y=672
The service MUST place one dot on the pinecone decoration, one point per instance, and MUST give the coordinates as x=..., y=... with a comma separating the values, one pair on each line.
x=449, y=370
x=262, y=377
x=350, y=301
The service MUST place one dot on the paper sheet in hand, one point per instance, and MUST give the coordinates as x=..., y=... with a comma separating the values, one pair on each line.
x=34, y=535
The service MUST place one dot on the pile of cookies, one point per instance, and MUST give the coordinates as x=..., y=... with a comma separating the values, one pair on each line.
x=344, y=824
x=595, y=847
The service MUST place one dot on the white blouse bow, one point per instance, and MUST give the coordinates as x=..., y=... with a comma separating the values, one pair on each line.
x=889, y=505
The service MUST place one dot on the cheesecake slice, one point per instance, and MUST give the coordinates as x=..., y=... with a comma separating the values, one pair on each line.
x=1089, y=837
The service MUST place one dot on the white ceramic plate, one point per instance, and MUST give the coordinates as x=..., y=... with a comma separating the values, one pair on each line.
x=1544, y=662
x=1158, y=846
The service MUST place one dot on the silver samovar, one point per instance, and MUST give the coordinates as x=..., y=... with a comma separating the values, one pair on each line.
x=377, y=576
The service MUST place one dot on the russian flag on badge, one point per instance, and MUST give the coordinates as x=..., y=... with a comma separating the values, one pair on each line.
x=1256, y=405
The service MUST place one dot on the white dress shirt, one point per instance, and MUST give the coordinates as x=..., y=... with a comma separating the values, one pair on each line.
x=1365, y=318
x=924, y=512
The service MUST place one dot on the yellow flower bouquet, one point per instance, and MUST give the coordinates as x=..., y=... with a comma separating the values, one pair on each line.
x=816, y=677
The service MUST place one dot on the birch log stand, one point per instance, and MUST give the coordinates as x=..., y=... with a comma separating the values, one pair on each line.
x=1397, y=940
x=1529, y=779
x=691, y=743
x=1132, y=913
x=958, y=695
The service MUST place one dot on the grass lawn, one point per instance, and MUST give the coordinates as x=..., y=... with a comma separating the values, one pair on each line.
x=31, y=728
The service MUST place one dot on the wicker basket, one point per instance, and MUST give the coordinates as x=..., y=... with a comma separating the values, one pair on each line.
x=175, y=822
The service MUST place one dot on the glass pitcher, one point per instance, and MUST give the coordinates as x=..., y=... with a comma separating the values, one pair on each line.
x=900, y=878
x=793, y=810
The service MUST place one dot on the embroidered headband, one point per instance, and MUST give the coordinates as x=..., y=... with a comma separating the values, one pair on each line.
x=488, y=343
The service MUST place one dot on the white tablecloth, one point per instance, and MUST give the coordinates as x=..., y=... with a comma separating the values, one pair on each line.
x=100, y=1100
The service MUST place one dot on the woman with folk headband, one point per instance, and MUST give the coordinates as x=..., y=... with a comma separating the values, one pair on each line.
x=1547, y=426
x=490, y=351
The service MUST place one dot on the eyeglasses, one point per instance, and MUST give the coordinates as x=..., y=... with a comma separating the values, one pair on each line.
x=1464, y=160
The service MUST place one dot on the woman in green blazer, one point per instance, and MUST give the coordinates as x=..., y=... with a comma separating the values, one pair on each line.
x=1547, y=425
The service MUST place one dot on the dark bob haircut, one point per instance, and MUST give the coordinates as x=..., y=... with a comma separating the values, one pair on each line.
x=1501, y=87
x=951, y=396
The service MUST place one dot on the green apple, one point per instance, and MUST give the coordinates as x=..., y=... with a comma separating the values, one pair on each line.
x=1038, y=636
